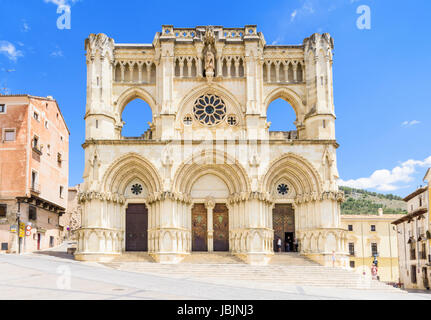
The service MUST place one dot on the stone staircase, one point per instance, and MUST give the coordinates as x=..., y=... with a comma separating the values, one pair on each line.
x=211, y=258
x=285, y=269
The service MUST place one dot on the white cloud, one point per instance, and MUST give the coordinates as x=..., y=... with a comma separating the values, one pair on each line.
x=9, y=50
x=307, y=8
x=293, y=15
x=25, y=26
x=57, y=52
x=59, y=3
x=388, y=180
x=410, y=123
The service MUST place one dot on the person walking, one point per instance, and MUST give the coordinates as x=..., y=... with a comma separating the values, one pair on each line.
x=279, y=244
x=374, y=272
x=295, y=245
x=333, y=258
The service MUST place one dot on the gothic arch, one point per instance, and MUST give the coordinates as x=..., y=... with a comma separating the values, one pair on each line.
x=303, y=177
x=128, y=167
x=132, y=93
x=211, y=162
x=288, y=95
x=230, y=100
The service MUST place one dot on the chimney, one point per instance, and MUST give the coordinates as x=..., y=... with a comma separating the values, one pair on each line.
x=380, y=211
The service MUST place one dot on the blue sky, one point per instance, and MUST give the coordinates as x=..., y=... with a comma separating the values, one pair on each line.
x=381, y=75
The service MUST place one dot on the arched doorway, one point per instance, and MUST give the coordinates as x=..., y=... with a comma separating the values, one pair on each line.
x=283, y=223
x=136, y=227
x=210, y=215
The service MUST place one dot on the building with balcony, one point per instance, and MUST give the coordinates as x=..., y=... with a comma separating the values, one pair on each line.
x=369, y=238
x=414, y=237
x=34, y=168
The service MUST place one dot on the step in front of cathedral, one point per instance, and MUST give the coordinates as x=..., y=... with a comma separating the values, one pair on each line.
x=282, y=271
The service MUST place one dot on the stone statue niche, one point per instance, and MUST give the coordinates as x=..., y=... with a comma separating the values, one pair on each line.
x=209, y=54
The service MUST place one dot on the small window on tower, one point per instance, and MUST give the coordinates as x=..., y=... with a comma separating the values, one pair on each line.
x=188, y=120
x=231, y=120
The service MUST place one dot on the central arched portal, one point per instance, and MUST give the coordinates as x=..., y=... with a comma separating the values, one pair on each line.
x=210, y=227
x=136, y=227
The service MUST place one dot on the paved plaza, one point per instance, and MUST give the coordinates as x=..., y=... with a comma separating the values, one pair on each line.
x=55, y=275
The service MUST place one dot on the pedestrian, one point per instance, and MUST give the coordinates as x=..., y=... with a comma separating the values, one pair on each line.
x=279, y=244
x=295, y=245
x=333, y=258
x=287, y=246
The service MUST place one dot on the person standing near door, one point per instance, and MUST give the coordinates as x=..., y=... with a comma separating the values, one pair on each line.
x=279, y=244
x=287, y=245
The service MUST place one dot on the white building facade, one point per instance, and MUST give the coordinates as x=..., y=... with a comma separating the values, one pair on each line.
x=414, y=241
x=209, y=175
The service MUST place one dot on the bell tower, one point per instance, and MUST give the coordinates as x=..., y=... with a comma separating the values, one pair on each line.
x=99, y=115
x=320, y=117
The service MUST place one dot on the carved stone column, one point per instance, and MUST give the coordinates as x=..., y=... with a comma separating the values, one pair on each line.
x=209, y=205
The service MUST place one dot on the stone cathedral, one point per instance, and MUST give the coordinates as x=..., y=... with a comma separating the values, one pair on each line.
x=209, y=174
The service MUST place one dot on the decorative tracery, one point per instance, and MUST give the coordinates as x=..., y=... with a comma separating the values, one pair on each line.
x=209, y=109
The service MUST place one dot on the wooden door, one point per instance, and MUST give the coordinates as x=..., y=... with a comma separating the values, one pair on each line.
x=221, y=227
x=199, y=227
x=283, y=223
x=136, y=227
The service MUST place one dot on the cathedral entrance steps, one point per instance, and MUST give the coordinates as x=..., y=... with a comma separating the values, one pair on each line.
x=211, y=258
x=275, y=276
x=130, y=256
x=291, y=259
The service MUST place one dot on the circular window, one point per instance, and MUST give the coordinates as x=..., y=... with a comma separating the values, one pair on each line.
x=209, y=109
x=282, y=189
x=136, y=189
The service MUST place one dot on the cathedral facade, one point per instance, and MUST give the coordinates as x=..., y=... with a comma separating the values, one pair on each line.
x=209, y=174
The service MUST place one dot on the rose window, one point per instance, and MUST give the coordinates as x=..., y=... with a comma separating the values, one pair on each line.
x=209, y=109
x=282, y=189
x=136, y=189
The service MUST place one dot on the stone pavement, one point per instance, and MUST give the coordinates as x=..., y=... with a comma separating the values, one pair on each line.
x=52, y=276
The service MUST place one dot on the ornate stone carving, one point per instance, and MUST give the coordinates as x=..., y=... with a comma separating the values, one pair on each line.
x=99, y=43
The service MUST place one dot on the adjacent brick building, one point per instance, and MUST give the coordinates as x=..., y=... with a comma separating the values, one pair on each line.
x=34, y=168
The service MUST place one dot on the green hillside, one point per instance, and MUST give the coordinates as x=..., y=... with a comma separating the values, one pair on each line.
x=360, y=201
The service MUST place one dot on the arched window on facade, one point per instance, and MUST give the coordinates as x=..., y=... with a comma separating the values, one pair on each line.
x=282, y=116
x=136, y=116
